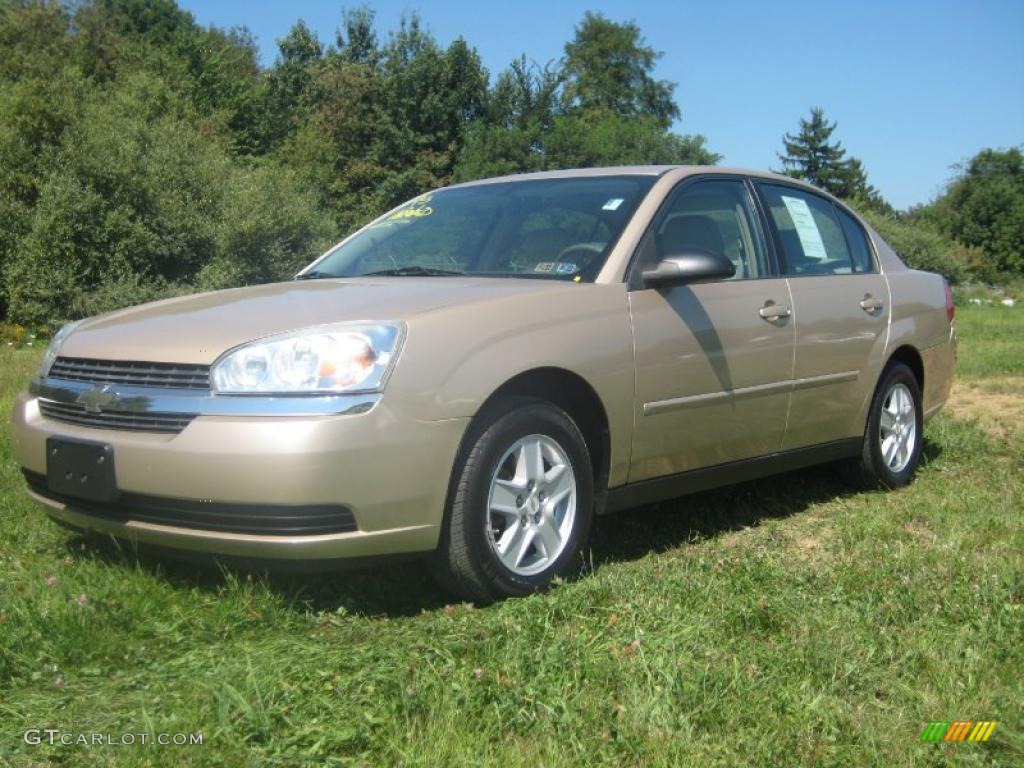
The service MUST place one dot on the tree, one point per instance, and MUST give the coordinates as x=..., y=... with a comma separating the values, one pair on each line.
x=216, y=71
x=291, y=82
x=809, y=155
x=388, y=122
x=358, y=42
x=143, y=155
x=599, y=106
x=124, y=182
x=812, y=157
x=607, y=67
x=519, y=116
x=861, y=194
x=984, y=207
x=431, y=96
x=524, y=94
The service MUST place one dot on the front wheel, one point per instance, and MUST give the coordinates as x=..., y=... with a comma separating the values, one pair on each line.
x=893, y=437
x=521, y=505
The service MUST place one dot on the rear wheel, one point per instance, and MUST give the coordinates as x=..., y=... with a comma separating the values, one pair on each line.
x=893, y=437
x=521, y=506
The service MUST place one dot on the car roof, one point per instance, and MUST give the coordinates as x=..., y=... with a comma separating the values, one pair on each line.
x=631, y=170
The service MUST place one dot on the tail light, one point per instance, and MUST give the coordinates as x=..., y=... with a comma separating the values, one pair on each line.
x=950, y=309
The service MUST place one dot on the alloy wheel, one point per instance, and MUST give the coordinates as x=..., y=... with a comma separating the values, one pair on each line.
x=897, y=433
x=531, y=506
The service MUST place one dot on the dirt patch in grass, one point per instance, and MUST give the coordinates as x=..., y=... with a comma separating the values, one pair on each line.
x=997, y=405
x=810, y=542
x=918, y=530
x=809, y=547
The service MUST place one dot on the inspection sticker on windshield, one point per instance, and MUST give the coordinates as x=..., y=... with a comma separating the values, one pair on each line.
x=544, y=266
x=613, y=204
x=565, y=268
x=806, y=228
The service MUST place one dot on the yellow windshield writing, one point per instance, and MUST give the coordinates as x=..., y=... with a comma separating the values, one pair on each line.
x=416, y=209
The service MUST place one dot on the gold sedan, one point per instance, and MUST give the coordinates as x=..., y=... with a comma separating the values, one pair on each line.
x=477, y=373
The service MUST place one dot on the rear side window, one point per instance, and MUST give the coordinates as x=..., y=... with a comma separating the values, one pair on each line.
x=813, y=242
x=859, y=249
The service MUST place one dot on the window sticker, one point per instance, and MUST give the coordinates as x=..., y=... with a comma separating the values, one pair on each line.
x=565, y=268
x=544, y=266
x=806, y=228
x=613, y=204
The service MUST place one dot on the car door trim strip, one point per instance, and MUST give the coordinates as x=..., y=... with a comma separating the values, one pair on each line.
x=790, y=385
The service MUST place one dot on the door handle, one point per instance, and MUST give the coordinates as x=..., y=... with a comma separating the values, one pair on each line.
x=772, y=311
x=870, y=304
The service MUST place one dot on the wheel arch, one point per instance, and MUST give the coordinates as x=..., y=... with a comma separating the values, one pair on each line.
x=565, y=389
x=904, y=353
x=909, y=356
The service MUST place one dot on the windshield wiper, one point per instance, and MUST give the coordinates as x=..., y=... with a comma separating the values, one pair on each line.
x=316, y=274
x=413, y=271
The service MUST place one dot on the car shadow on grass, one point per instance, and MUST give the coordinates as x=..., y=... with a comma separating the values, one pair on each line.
x=654, y=528
x=667, y=525
x=396, y=588
x=391, y=587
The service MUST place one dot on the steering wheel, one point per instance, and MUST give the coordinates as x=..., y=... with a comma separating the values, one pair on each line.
x=587, y=252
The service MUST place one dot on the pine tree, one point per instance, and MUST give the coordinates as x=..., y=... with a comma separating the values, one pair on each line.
x=809, y=155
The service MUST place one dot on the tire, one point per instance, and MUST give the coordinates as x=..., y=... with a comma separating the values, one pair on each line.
x=514, y=522
x=892, y=443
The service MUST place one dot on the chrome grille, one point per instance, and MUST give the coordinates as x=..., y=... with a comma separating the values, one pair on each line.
x=138, y=422
x=141, y=374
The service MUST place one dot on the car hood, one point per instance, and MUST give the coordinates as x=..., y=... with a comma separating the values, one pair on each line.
x=199, y=328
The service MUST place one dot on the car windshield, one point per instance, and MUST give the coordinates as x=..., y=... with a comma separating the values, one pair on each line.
x=558, y=229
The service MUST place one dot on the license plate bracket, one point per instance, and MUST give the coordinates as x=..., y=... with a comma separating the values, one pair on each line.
x=81, y=468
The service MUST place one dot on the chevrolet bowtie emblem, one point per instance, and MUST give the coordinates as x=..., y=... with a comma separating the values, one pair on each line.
x=98, y=398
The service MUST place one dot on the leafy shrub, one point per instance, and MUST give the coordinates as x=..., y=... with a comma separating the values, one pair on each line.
x=984, y=207
x=268, y=228
x=125, y=291
x=13, y=335
x=922, y=247
x=138, y=200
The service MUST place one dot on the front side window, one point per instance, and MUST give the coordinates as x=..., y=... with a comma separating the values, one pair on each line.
x=811, y=236
x=559, y=229
x=716, y=216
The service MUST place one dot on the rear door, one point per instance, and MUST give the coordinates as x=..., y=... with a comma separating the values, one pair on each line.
x=713, y=360
x=840, y=309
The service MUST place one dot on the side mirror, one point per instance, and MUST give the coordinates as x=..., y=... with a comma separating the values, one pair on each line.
x=691, y=266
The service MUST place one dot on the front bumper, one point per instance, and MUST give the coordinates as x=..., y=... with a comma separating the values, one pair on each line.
x=389, y=471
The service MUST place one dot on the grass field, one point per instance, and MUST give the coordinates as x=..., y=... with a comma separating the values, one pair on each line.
x=782, y=622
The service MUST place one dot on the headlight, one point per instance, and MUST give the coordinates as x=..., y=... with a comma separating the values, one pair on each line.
x=54, y=349
x=348, y=357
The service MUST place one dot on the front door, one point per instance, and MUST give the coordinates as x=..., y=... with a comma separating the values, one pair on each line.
x=714, y=361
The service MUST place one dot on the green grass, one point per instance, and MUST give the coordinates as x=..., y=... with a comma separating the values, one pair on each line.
x=991, y=341
x=783, y=622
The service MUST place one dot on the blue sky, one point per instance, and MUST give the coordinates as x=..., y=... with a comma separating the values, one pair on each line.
x=914, y=86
